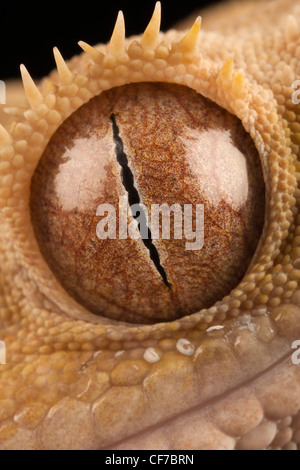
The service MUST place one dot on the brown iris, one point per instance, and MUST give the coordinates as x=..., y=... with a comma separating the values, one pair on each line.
x=127, y=152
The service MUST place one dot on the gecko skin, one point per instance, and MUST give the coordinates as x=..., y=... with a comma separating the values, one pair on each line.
x=76, y=381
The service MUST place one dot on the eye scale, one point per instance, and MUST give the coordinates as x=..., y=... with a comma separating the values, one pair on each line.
x=173, y=147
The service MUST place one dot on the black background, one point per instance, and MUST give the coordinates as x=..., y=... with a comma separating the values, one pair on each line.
x=29, y=30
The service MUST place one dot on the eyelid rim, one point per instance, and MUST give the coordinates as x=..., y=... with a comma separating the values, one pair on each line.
x=103, y=70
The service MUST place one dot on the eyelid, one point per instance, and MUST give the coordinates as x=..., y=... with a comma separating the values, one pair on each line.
x=171, y=60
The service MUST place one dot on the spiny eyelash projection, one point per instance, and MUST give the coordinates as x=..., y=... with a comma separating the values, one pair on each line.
x=67, y=369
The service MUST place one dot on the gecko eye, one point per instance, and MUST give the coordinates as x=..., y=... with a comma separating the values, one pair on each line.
x=148, y=203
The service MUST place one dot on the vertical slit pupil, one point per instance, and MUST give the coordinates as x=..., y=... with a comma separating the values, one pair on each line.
x=134, y=198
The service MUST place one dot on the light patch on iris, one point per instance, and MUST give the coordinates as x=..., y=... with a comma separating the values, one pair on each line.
x=184, y=346
x=218, y=165
x=82, y=172
x=151, y=356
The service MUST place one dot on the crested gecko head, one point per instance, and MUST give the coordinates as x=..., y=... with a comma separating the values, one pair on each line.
x=218, y=375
